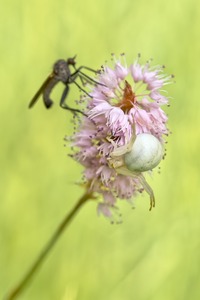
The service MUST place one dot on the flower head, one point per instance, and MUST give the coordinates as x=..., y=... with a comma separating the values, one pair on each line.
x=125, y=104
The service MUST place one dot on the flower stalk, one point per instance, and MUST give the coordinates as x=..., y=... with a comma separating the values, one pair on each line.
x=15, y=292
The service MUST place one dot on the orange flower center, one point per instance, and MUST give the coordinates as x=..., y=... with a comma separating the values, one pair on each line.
x=128, y=99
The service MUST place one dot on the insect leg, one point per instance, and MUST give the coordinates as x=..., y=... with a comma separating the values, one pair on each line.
x=87, y=68
x=65, y=106
x=84, y=91
x=82, y=79
x=89, y=79
x=84, y=76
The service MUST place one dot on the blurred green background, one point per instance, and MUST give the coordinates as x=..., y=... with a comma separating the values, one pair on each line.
x=151, y=255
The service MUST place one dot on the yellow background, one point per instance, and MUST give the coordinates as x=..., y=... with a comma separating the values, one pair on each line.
x=151, y=255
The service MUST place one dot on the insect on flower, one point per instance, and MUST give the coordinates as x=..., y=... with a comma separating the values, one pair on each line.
x=123, y=137
x=62, y=73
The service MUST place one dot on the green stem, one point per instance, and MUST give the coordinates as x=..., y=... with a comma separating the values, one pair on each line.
x=43, y=254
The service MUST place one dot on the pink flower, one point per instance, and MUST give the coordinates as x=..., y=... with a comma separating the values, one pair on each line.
x=126, y=103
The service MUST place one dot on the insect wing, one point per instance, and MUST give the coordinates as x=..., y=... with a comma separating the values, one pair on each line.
x=41, y=89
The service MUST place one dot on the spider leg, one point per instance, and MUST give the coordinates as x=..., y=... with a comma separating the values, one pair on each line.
x=148, y=189
x=121, y=150
x=120, y=169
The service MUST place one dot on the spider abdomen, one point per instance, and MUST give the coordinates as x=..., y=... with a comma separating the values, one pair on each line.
x=146, y=153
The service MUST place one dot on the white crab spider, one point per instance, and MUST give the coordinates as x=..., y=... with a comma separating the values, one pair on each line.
x=143, y=153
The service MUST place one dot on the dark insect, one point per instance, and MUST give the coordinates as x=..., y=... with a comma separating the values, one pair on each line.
x=62, y=73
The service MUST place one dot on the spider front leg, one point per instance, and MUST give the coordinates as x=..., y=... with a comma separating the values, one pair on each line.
x=120, y=151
